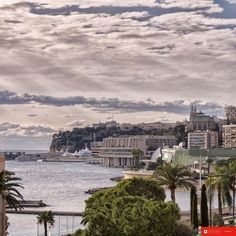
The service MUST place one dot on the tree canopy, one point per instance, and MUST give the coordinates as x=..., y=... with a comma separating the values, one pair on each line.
x=134, y=207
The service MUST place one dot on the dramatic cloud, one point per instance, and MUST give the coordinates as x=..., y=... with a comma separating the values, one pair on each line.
x=69, y=61
x=109, y=104
x=16, y=130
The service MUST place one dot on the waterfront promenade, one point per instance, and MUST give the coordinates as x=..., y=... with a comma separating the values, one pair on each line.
x=36, y=212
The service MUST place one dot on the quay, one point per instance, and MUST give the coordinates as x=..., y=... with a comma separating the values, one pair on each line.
x=36, y=212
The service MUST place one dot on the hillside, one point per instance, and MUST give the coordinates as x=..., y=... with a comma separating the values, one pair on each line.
x=78, y=138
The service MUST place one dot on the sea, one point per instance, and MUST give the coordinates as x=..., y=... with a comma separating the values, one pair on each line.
x=62, y=186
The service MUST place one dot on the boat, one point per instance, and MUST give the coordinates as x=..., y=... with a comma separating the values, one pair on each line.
x=84, y=153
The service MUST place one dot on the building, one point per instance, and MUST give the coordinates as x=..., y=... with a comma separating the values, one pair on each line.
x=99, y=125
x=157, y=125
x=117, y=152
x=229, y=136
x=126, y=126
x=203, y=140
x=156, y=141
x=230, y=114
x=200, y=121
x=95, y=148
x=2, y=205
x=109, y=124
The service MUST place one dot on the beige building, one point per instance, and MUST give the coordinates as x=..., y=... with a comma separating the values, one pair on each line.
x=200, y=121
x=203, y=139
x=95, y=148
x=2, y=205
x=157, y=125
x=117, y=152
x=229, y=136
x=230, y=114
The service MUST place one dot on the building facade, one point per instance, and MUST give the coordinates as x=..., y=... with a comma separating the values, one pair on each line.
x=203, y=140
x=95, y=148
x=230, y=114
x=155, y=141
x=118, y=152
x=200, y=121
x=229, y=136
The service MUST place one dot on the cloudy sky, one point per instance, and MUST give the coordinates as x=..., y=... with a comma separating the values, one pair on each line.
x=70, y=63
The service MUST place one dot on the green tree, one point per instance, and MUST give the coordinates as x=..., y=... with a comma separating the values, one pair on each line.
x=132, y=215
x=192, y=192
x=182, y=230
x=174, y=176
x=111, y=211
x=139, y=216
x=195, y=211
x=204, y=207
x=232, y=176
x=9, y=185
x=9, y=194
x=141, y=187
x=46, y=218
x=220, y=183
x=138, y=156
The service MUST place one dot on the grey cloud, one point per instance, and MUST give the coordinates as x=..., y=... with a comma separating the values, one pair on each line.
x=17, y=130
x=108, y=104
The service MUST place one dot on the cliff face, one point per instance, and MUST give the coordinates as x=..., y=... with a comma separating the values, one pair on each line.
x=78, y=138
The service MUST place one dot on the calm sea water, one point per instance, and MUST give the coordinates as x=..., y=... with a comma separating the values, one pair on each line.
x=62, y=186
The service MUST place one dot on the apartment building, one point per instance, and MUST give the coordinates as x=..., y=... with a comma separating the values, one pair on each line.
x=230, y=114
x=229, y=136
x=203, y=139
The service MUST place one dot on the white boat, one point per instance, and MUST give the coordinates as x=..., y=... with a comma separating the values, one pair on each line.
x=84, y=153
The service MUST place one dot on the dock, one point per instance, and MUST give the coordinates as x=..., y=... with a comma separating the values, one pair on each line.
x=36, y=212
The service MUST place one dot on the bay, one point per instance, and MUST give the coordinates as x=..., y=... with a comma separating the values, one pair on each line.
x=62, y=186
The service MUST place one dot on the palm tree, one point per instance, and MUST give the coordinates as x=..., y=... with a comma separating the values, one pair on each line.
x=138, y=155
x=46, y=218
x=9, y=194
x=209, y=162
x=231, y=169
x=221, y=183
x=173, y=176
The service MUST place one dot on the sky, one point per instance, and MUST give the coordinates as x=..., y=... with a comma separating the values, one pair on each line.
x=71, y=63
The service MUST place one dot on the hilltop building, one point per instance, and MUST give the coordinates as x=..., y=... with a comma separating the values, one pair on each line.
x=200, y=121
x=230, y=114
x=203, y=139
x=108, y=124
x=229, y=136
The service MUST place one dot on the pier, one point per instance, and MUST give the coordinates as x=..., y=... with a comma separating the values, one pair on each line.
x=36, y=212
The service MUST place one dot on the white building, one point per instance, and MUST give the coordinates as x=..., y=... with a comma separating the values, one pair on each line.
x=203, y=139
x=117, y=152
